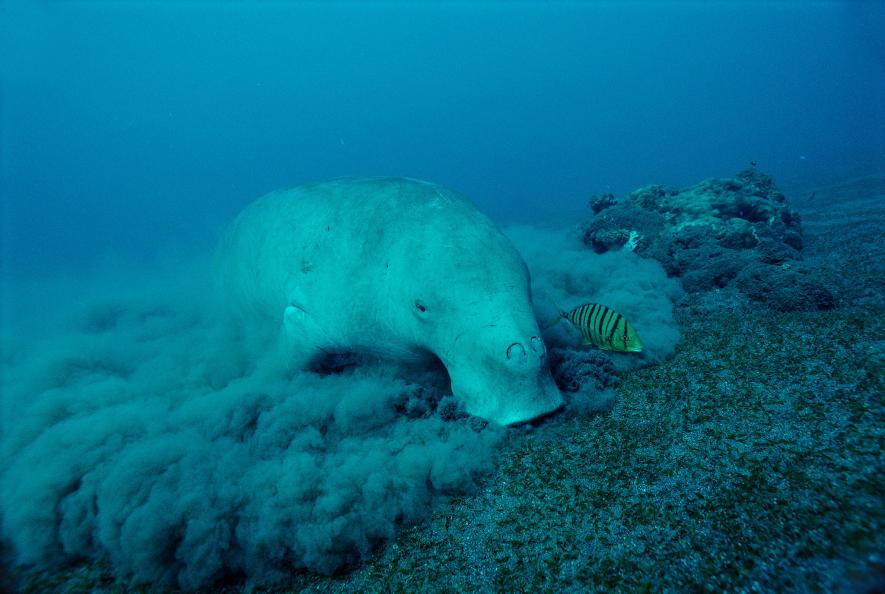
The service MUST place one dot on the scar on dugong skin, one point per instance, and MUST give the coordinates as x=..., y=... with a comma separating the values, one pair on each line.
x=393, y=267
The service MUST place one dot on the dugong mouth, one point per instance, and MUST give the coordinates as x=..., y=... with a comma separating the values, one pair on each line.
x=537, y=419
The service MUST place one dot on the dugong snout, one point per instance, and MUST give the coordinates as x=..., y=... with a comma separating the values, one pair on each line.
x=509, y=384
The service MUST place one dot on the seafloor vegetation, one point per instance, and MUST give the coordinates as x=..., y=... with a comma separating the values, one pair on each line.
x=753, y=460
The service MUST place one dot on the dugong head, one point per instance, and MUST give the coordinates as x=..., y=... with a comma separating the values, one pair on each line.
x=470, y=303
x=493, y=351
x=499, y=370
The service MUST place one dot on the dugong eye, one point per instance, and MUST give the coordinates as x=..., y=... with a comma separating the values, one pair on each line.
x=420, y=306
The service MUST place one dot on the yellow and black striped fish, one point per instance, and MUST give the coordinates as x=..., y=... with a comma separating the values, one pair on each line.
x=604, y=328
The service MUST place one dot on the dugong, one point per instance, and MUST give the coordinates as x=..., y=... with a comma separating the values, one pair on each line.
x=396, y=268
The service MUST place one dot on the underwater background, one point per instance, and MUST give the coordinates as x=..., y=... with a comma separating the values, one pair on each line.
x=713, y=170
x=173, y=115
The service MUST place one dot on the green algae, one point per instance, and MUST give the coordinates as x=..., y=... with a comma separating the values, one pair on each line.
x=753, y=460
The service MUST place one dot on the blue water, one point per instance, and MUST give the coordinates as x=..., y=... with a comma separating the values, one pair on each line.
x=140, y=427
x=131, y=126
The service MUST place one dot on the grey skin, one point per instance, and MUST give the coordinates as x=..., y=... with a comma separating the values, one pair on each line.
x=397, y=268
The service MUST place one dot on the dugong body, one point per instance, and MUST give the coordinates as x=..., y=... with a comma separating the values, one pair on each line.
x=398, y=268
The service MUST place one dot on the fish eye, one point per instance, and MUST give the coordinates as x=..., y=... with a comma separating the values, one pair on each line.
x=420, y=306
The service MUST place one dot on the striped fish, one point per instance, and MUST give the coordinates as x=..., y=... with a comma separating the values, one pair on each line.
x=604, y=328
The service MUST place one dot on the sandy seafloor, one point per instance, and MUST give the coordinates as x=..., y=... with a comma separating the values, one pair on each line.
x=752, y=461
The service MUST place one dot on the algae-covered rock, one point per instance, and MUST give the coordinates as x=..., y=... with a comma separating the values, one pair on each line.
x=587, y=379
x=714, y=232
x=623, y=225
x=785, y=288
x=574, y=369
x=601, y=202
x=709, y=266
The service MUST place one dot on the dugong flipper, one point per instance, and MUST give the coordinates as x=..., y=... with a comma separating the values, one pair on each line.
x=394, y=267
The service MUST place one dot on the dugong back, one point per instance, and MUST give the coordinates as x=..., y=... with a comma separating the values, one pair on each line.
x=320, y=235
